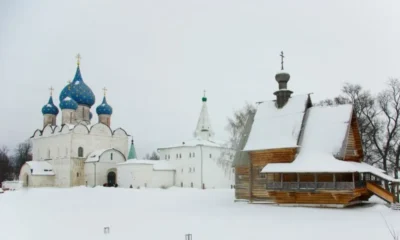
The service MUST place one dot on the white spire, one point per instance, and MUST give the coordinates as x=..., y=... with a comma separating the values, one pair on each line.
x=204, y=129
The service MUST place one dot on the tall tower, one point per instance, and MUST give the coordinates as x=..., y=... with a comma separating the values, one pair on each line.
x=81, y=93
x=132, y=152
x=50, y=111
x=104, y=111
x=68, y=108
x=203, y=128
x=283, y=94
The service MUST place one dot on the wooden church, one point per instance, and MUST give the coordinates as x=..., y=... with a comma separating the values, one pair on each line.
x=295, y=153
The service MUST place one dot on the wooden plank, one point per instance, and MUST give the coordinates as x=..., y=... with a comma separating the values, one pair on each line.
x=380, y=192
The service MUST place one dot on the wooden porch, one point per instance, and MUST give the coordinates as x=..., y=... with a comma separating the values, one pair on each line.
x=359, y=182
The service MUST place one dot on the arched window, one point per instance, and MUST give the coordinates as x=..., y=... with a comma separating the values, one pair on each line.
x=210, y=155
x=111, y=156
x=80, y=152
x=190, y=155
x=180, y=156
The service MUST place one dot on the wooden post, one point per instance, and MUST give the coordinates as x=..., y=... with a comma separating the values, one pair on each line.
x=334, y=181
x=298, y=181
x=282, y=180
x=354, y=184
x=250, y=181
x=315, y=181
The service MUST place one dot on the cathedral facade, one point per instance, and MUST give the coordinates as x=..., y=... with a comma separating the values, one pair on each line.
x=76, y=152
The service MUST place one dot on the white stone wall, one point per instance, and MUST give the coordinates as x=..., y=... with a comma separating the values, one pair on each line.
x=189, y=166
x=30, y=180
x=143, y=175
x=96, y=172
x=61, y=150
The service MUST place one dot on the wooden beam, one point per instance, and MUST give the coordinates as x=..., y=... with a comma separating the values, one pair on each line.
x=315, y=181
x=334, y=180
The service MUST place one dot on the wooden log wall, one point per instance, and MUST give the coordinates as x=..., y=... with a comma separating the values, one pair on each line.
x=320, y=197
x=258, y=160
x=242, y=182
x=354, y=151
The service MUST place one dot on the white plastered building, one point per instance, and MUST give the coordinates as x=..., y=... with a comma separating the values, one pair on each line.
x=201, y=162
x=76, y=152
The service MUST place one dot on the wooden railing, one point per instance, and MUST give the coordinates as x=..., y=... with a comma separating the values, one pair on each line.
x=315, y=185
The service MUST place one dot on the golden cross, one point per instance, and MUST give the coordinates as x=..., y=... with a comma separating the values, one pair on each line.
x=105, y=91
x=51, y=90
x=78, y=59
x=204, y=93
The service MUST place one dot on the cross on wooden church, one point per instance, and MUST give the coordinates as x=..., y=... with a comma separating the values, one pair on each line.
x=282, y=59
x=105, y=91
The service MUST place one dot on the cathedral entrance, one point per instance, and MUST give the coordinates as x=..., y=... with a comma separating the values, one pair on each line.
x=111, y=179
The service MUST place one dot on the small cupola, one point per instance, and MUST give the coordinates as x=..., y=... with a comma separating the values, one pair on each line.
x=283, y=94
x=50, y=111
x=104, y=111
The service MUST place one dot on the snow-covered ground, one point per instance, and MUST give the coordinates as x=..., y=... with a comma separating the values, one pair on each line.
x=147, y=214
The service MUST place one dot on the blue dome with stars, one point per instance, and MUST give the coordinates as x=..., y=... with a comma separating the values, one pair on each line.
x=78, y=91
x=50, y=108
x=68, y=103
x=104, y=108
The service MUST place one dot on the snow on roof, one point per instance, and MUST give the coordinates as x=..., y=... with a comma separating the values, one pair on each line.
x=40, y=168
x=196, y=142
x=277, y=127
x=95, y=156
x=324, y=135
x=157, y=164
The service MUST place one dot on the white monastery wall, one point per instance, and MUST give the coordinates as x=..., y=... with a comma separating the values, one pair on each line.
x=143, y=175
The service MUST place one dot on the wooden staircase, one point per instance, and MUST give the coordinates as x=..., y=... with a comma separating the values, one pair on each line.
x=381, y=192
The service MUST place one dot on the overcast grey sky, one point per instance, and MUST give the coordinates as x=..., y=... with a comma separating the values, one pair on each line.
x=156, y=57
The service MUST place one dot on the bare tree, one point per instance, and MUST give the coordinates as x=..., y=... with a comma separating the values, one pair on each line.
x=386, y=138
x=366, y=112
x=5, y=168
x=235, y=128
x=152, y=156
x=378, y=120
x=22, y=155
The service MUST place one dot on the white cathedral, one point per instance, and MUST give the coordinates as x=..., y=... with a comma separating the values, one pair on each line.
x=79, y=153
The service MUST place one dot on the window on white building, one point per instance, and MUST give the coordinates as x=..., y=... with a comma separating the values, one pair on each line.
x=111, y=156
x=48, y=154
x=194, y=169
x=177, y=156
x=194, y=155
x=210, y=155
x=77, y=174
x=190, y=169
x=180, y=156
x=80, y=152
x=190, y=155
x=169, y=157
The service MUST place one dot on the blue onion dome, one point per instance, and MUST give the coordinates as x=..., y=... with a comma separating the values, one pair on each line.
x=50, y=108
x=104, y=108
x=90, y=115
x=79, y=92
x=68, y=103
